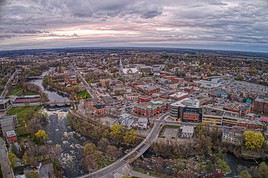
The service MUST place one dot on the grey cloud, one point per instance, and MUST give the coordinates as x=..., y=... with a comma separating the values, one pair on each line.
x=207, y=20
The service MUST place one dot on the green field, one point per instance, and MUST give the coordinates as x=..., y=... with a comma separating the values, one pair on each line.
x=83, y=95
x=24, y=114
x=19, y=91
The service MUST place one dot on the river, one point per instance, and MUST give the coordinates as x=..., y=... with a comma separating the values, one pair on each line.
x=60, y=133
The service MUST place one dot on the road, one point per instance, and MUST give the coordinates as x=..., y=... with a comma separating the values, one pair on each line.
x=133, y=155
x=4, y=161
x=85, y=84
x=5, y=91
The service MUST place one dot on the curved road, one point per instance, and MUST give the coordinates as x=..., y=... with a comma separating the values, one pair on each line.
x=133, y=155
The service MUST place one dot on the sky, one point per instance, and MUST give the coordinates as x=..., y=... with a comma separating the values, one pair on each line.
x=204, y=24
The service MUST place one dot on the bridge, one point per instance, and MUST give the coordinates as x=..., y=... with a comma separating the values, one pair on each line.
x=34, y=77
x=133, y=155
x=5, y=91
x=59, y=103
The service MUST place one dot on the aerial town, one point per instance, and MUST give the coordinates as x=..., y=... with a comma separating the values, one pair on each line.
x=133, y=113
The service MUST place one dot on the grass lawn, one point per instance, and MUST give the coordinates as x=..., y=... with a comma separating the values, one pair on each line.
x=24, y=114
x=18, y=91
x=83, y=94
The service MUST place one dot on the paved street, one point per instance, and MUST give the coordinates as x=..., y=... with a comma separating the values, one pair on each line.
x=5, y=167
x=133, y=155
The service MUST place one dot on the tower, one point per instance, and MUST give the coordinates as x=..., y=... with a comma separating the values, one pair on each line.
x=120, y=67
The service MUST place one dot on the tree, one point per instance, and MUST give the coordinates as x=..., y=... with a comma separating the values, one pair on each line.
x=263, y=170
x=130, y=137
x=102, y=144
x=117, y=131
x=40, y=136
x=244, y=174
x=223, y=166
x=200, y=130
x=89, y=148
x=113, y=151
x=253, y=140
x=32, y=174
x=12, y=158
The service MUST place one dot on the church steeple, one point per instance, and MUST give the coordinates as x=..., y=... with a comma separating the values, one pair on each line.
x=120, y=67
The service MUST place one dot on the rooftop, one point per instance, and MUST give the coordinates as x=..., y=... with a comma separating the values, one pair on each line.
x=187, y=102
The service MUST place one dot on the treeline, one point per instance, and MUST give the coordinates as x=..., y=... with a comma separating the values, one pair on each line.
x=106, y=144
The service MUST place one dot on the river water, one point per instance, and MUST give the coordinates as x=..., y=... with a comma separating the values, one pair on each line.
x=61, y=134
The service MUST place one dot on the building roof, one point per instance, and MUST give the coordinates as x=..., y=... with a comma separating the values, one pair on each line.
x=187, y=102
x=264, y=119
x=130, y=70
x=3, y=101
x=179, y=94
x=188, y=129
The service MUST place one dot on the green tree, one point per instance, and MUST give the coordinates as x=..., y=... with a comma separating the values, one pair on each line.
x=244, y=174
x=263, y=170
x=130, y=137
x=253, y=139
x=40, y=136
x=32, y=174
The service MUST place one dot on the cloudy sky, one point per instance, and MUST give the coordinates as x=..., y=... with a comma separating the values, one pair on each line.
x=208, y=24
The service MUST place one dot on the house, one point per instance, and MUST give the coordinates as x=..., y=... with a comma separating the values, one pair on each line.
x=142, y=123
x=232, y=136
x=187, y=131
x=7, y=123
x=5, y=104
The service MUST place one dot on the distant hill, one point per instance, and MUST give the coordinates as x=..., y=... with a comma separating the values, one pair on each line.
x=13, y=53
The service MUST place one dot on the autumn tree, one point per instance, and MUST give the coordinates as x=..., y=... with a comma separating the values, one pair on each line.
x=89, y=148
x=32, y=174
x=253, y=140
x=130, y=137
x=40, y=136
x=244, y=174
x=263, y=170
x=12, y=158
x=102, y=144
x=117, y=131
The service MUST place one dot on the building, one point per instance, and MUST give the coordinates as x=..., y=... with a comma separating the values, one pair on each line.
x=11, y=136
x=187, y=109
x=27, y=99
x=187, y=131
x=5, y=104
x=146, y=70
x=232, y=136
x=260, y=105
x=7, y=123
x=142, y=123
x=148, y=89
x=213, y=83
x=179, y=95
x=96, y=108
x=152, y=108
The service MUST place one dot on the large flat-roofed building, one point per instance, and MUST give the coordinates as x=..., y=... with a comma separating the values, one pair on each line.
x=188, y=110
x=7, y=123
x=148, y=89
x=179, y=95
x=260, y=105
x=151, y=108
